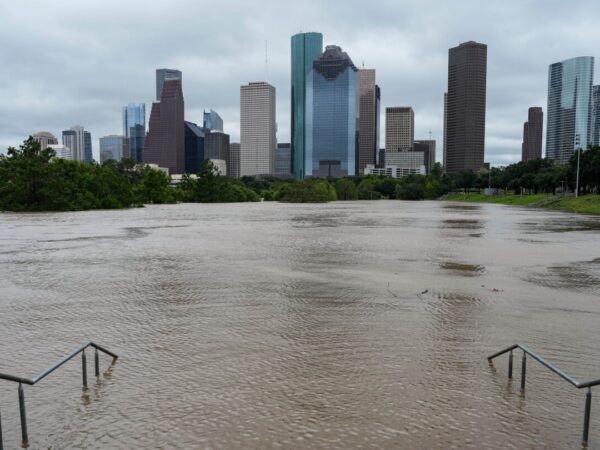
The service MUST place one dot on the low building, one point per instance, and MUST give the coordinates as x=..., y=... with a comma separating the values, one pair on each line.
x=394, y=171
x=407, y=159
x=62, y=151
x=157, y=167
x=220, y=166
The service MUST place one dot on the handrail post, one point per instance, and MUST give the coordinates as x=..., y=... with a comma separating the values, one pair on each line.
x=586, y=417
x=96, y=364
x=1, y=440
x=84, y=367
x=510, y=364
x=23, y=414
x=523, y=370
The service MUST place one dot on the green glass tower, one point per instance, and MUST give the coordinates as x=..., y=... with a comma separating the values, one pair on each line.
x=306, y=47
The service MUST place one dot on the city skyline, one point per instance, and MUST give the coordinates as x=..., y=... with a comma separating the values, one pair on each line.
x=517, y=75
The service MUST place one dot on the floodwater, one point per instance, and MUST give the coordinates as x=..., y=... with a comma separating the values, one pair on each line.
x=336, y=326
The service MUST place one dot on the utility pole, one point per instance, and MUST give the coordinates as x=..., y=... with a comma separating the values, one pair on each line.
x=578, y=147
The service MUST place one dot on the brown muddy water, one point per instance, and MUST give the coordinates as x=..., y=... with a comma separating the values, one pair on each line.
x=339, y=326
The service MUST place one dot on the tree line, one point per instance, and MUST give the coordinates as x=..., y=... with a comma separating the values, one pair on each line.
x=32, y=179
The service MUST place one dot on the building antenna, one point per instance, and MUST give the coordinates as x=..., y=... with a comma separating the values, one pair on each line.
x=266, y=60
x=429, y=134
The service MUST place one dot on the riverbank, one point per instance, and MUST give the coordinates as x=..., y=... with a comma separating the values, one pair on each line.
x=587, y=204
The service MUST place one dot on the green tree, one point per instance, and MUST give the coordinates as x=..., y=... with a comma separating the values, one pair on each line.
x=345, y=189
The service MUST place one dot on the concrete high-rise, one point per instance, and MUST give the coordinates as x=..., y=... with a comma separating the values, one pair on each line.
x=368, y=130
x=258, y=129
x=596, y=115
x=79, y=142
x=306, y=47
x=134, y=129
x=165, y=141
x=465, y=107
x=114, y=147
x=163, y=75
x=332, y=102
x=399, y=128
x=44, y=138
x=569, y=123
x=531, y=148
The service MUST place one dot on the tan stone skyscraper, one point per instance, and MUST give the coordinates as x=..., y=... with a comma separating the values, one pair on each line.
x=44, y=138
x=399, y=128
x=368, y=122
x=258, y=129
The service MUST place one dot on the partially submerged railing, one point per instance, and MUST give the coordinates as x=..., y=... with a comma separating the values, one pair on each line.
x=48, y=371
x=586, y=385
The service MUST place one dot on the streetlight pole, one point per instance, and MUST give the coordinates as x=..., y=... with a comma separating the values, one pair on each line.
x=578, y=146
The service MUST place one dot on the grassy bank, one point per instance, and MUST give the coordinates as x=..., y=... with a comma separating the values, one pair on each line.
x=587, y=204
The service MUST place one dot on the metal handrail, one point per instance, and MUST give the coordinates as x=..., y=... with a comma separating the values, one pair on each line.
x=48, y=371
x=588, y=384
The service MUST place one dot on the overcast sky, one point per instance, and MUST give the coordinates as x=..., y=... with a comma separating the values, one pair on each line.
x=64, y=63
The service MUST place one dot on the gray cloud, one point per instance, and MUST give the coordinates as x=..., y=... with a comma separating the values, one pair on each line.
x=74, y=62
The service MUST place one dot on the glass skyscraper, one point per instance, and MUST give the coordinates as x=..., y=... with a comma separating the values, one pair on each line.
x=134, y=129
x=212, y=121
x=306, y=47
x=331, y=115
x=596, y=115
x=113, y=147
x=569, y=124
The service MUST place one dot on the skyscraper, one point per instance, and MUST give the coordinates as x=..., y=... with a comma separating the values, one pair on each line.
x=257, y=129
x=134, y=129
x=306, y=47
x=216, y=146
x=212, y=121
x=569, y=123
x=445, y=130
x=596, y=115
x=368, y=119
x=163, y=75
x=428, y=149
x=531, y=148
x=114, y=147
x=282, y=160
x=79, y=142
x=331, y=115
x=399, y=128
x=165, y=142
x=87, y=147
x=45, y=139
x=233, y=164
x=194, y=147
x=465, y=107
